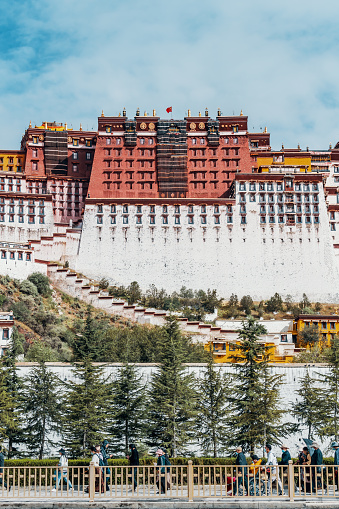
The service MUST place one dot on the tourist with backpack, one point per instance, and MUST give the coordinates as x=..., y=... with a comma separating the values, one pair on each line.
x=105, y=457
x=62, y=470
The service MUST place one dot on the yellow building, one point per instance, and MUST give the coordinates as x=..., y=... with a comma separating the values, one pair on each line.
x=295, y=159
x=12, y=161
x=328, y=326
x=226, y=344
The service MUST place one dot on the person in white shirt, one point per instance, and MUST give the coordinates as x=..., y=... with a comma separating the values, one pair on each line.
x=62, y=470
x=274, y=472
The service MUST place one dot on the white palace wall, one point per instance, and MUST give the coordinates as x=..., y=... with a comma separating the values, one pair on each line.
x=251, y=258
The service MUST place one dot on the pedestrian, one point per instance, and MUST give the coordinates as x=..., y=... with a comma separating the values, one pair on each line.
x=316, y=459
x=168, y=470
x=99, y=478
x=335, y=447
x=2, y=464
x=133, y=459
x=161, y=470
x=105, y=457
x=254, y=467
x=273, y=472
x=285, y=457
x=62, y=470
x=240, y=472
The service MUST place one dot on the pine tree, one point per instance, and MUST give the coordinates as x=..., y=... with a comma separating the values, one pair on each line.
x=41, y=409
x=172, y=398
x=212, y=409
x=85, y=411
x=255, y=414
x=328, y=421
x=128, y=409
x=5, y=404
x=310, y=409
x=14, y=389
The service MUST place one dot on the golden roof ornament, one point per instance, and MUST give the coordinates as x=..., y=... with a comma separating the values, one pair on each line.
x=154, y=113
x=265, y=130
x=145, y=114
x=80, y=127
x=298, y=146
x=30, y=123
x=137, y=114
x=124, y=112
x=189, y=113
x=241, y=113
x=119, y=114
x=219, y=112
x=206, y=112
x=102, y=113
x=199, y=113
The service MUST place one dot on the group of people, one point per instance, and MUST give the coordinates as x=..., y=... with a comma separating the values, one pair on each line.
x=310, y=480
x=100, y=458
x=270, y=468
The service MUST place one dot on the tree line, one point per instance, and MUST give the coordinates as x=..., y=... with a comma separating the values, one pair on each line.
x=214, y=413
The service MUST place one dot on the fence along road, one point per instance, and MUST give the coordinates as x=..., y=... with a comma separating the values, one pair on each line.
x=188, y=482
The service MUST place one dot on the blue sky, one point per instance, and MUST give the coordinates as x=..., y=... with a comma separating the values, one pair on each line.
x=278, y=61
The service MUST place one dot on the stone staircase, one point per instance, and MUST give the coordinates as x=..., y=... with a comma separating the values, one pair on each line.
x=84, y=289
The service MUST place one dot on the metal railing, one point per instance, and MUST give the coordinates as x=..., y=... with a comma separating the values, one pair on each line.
x=175, y=481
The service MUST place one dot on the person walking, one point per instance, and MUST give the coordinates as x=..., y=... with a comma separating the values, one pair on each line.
x=161, y=469
x=168, y=470
x=273, y=474
x=62, y=469
x=133, y=459
x=105, y=457
x=99, y=478
x=335, y=447
x=285, y=456
x=2, y=464
x=316, y=459
x=241, y=476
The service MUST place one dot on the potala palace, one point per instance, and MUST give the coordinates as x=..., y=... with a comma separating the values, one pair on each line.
x=199, y=202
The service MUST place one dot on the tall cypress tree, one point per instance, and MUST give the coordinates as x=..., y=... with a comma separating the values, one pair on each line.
x=310, y=409
x=14, y=389
x=172, y=397
x=127, y=409
x=255, y=416
x=213, y=409
x=5, y=404
x=328, y=421
x=85, y=418
x=41, y=405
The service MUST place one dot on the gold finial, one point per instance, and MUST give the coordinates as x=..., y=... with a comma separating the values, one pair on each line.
x=145, y=114
x=189, y=113
x=206, y=112
x=137, y=112
x=330, y=146
x=124, y=112
x=298, y=146
x=154, y=113
x=102, y=113
x=80, y=127
x=241, y=113
x=119, y=114
x=30, y=123
x=265, y=130
x=65, y=126
x=199, y=113
x=219, y=112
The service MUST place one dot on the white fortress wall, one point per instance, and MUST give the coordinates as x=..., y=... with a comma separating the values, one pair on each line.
x=252, y=258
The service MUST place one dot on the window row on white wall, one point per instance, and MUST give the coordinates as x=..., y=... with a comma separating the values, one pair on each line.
x=279, y=198
x=15, y=255
x=165, y=209
x=279, y=186
x=163, y=219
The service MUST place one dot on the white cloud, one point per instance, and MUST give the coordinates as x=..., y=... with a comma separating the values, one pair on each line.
x=277, y=61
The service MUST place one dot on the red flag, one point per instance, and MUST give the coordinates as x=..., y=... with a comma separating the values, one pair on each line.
x=169, y=110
